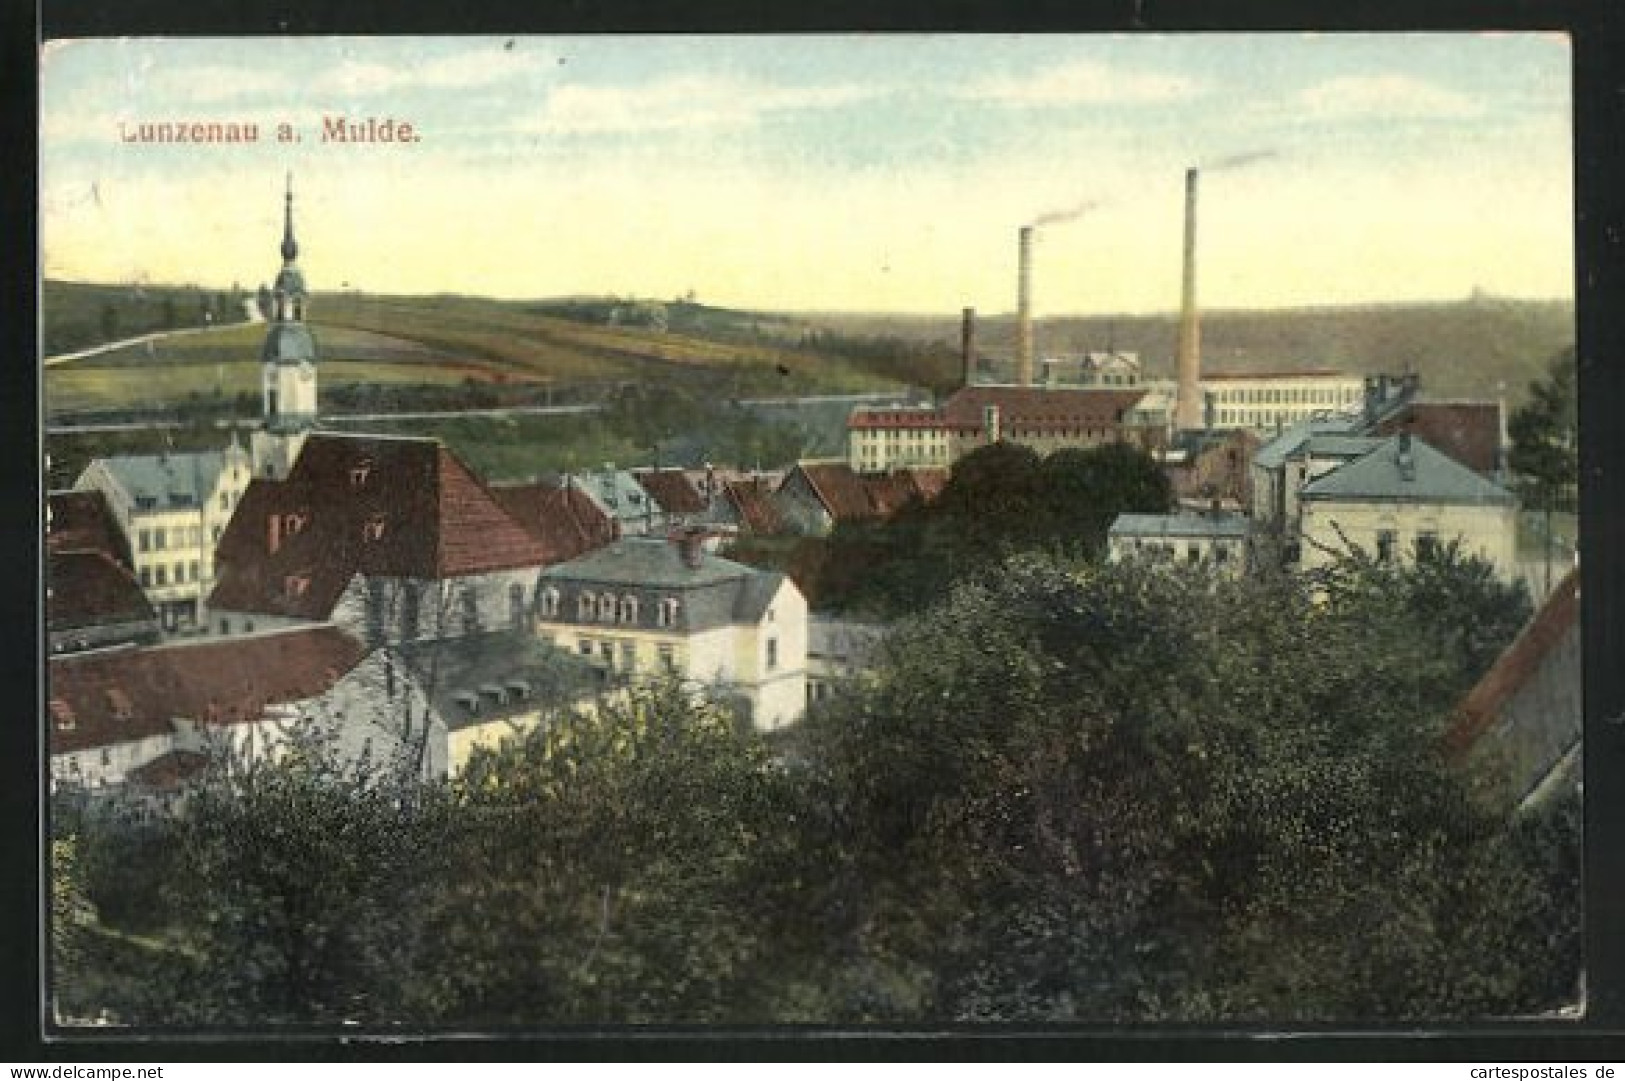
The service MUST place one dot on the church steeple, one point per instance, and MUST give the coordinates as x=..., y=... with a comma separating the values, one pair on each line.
x=290, y=247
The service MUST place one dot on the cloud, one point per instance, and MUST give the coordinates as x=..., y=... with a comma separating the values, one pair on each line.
x=1084, y=83
x=1385, y=95
x=683, y=103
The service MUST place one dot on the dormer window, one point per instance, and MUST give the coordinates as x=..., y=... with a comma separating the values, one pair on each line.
x=586, y=607
x=359, y=472
x=119, y=703
x=294, y=523
x=373, y=528
x=606, y=607
x=295, y=585
x=667, y=615
x=547, y=602
x=629, y=609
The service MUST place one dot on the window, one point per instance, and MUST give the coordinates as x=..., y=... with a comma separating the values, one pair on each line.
x=606, y=650
x=144, y=540
x=668, y=658
x=225, y=501
x=471, y=610
x=193, y=570
x=606, y=607
x=358, y=472
x=217, y=532
x=772, y=654
x=194, y=535
x=1193, y=553
x=547, y=602
x=629, y=657
x=295, y=585
x=586, y=607
x=584, y=646
x=1221, y=553
x=1385, y=545
x=1427, y=545
x=373, y=528
x=146, y=576
x=668, y=612
x=629, y=609
x=158, y=538
x=160, y=575
x=178, y=536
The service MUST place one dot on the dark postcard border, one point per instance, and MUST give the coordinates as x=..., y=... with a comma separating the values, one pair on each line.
x=1598, y=31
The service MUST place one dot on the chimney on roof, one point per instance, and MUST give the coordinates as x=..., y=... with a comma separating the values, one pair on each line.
x=1024, y=306
x=1370, y=401
x=1404, y=458
x=690, y=546
x=967, y=345
x=1188, y=401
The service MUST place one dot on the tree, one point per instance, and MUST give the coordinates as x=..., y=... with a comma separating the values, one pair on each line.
x=1544, y=433
x=627, y=865
x=303, y=883
x=1088, y=487
x=1118, y=792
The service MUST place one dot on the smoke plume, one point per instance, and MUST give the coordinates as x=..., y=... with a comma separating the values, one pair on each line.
x=1236, y=161
x=1056, y=217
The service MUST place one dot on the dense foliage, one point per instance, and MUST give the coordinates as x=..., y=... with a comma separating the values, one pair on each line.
x=1000, y=499
x=1545, y=436
x=1071, y=792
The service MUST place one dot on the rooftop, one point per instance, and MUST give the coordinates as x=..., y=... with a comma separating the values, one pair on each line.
x=399, y=508
x=479, y=678
x=1211, y=524
x=1384, y=475
x=89, y=589
x=171, y=481
x=99, y=699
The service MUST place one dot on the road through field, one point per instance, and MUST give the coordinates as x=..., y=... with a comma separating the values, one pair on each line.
x=157, y=335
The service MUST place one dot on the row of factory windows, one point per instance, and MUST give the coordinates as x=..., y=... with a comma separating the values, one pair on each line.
x=1289, y=395
x=1263, y=418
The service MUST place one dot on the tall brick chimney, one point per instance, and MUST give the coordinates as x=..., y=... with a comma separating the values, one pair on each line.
x=967, y=345
x=1188, y=404
x=1024, y=307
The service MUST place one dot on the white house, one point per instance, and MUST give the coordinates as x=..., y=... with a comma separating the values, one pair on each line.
x=645, y=608
x=1403, y=497
x=1217, y=539
x=173, y=510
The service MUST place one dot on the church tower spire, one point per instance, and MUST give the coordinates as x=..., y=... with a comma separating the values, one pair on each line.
x=290, y=247
x=288, y=361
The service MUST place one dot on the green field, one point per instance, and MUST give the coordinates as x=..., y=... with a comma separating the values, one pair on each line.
x=446, y=341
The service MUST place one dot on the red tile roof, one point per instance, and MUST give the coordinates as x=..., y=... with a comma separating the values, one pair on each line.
x=566, y=522
x=89, y=589
x=1469, y=432
x=910, y=419
x=1044, y=408
x=122, y=695
x=849, y=496
x=82, y=521
x=1515, y=667
x=400, y=508
x=671, y=490
x=840, y=490
x=754, y=501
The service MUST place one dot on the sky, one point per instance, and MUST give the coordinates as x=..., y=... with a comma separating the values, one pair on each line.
x=846, y=172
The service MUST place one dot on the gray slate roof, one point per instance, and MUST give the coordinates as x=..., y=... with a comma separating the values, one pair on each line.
x=450, y=669
x=1434, y=478
x=1223, y=524
x=171, y=481
x=617, y=493
x=717, y=593
x=1273, y=455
